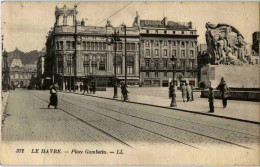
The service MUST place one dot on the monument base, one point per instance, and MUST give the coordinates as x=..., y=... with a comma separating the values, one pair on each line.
x=246, y=76
x=242, y=80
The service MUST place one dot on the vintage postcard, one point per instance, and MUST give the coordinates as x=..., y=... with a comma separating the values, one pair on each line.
x=130, y=83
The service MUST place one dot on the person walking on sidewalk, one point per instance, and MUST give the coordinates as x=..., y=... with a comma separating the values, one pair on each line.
x=184, y=92
x=224, y=92
x=188, y=92
x=124, y=91
x=211, y=100
x=192, y=98
x=93, y=88
x=53, y=97
x=85, y=88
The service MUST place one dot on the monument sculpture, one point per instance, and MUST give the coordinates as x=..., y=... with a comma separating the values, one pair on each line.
x=226, y=45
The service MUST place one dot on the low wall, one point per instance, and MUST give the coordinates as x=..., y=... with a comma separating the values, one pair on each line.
x=235, y=95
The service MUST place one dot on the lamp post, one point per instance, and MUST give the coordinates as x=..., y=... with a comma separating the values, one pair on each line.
x=115, y=38
x=173, y=101
x=75, y=52
x=125, y=56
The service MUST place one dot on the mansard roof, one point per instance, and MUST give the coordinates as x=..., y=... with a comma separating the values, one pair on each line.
x=161, y=24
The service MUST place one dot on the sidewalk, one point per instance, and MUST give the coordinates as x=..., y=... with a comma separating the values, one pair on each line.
x=241, y=110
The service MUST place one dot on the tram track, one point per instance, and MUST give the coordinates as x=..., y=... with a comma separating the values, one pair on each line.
x=87, y=123
x=143, y=119
x=178, y=119
x=153, y=122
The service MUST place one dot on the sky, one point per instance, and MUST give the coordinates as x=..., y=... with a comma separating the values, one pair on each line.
x=26, y=24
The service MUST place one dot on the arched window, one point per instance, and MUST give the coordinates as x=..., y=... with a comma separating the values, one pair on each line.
x=70, y=65
x=130, y=64
x=94, y=63
x=118, y=64
x=102, y=63
x=86, y=63
x=60, y=63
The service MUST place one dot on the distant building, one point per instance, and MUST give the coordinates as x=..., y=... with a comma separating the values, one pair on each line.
x=161, y=40
x=256, y=42
x=20, y=75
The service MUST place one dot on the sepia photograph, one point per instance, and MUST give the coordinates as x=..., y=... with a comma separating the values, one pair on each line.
x=130, y=83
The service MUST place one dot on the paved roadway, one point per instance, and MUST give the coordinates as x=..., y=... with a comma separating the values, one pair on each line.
x=82, y=118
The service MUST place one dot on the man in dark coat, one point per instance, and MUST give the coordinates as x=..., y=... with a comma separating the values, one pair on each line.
x=224, y=91
x=211, y=100
x=53, y=97
x=93, y=88
x=184, y=92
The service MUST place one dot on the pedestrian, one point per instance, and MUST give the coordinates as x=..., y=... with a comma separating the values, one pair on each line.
x=192, y=98
x=93, y=88
x=124, y=91
x=53, y=97
x=184, y=91
x=211, y=100
x=80, y=87
x=86, y=87
x=188, y=92
x=224, y=92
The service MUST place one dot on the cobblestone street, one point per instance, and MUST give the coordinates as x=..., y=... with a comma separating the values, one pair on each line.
x=101, y=121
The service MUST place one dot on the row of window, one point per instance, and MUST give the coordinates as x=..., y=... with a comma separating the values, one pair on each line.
x=94, y=65
x=165, y=74
x=171, y=32
x=165, y=53
x=20, y=76
x=92, y=45
x=181, y=64
x=174, y=44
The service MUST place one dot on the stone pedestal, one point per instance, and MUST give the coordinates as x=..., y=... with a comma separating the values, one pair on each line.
x=246, y=76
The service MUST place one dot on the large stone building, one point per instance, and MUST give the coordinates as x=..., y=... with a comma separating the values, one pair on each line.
x=20, y=75
x=162, y=40
x=150, y=46
x=91, y=54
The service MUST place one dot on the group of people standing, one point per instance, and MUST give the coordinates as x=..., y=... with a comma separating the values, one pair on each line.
x=89, y=88
x=187, y=92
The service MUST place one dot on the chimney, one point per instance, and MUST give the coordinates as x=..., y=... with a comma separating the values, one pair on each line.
x=165, y=21
x=190, y=24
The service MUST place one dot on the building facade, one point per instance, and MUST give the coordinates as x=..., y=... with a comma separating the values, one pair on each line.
x=20, y=75
x=76, y=53
x=161, y=40
x=40, y=69
x=90, y=57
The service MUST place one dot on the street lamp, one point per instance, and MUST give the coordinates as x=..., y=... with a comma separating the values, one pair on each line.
x=173, y=102
x=125, y=54
x=75, y=52
x=114, y=40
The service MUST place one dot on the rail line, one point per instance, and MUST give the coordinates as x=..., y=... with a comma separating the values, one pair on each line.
x=87, y=123
x=181, y=129
x=152, y=122
x=258, y=137
x=118, y=121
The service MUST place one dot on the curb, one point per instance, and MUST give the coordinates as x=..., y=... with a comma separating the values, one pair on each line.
x=173, y=108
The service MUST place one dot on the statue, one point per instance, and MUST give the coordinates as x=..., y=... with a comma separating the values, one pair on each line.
x=225, y=45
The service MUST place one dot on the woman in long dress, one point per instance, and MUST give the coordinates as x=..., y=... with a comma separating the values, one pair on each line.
x=54, y=97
